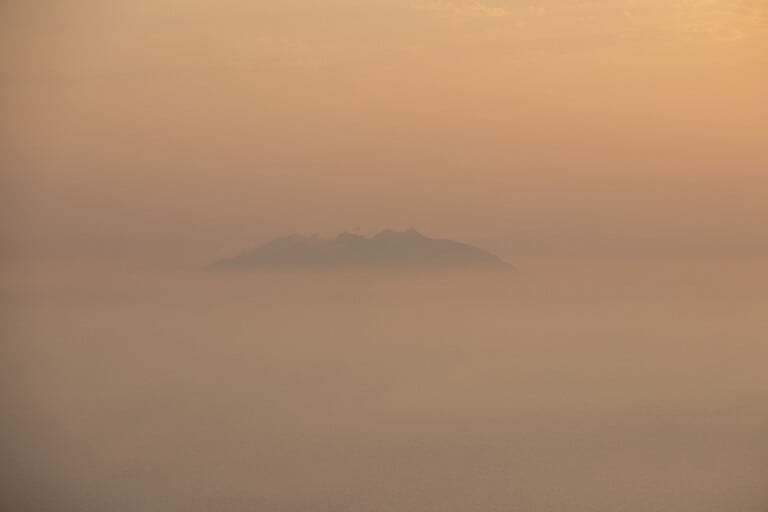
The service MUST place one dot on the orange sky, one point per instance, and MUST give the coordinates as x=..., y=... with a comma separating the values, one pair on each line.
x=197, y=126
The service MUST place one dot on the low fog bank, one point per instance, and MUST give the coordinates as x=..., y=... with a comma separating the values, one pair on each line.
x=567, y=386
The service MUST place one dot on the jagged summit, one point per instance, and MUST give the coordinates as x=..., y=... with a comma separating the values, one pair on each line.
x=388, y=249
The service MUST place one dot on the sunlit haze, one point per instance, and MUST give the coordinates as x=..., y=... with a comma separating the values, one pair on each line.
x=492, y=255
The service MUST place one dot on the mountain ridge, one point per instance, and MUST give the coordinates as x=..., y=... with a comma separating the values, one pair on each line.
x=387, y=249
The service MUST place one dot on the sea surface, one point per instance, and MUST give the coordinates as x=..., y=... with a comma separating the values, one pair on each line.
x=565, y=387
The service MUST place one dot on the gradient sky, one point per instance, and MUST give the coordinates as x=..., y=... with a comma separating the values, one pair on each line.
x=197, y=128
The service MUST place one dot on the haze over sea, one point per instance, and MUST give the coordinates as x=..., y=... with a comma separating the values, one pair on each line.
x=629, y=386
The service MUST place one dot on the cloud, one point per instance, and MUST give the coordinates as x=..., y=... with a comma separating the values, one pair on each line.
x=471, y=9
x=720, y=19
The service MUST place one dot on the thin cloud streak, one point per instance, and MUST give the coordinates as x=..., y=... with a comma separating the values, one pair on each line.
x=465, y=9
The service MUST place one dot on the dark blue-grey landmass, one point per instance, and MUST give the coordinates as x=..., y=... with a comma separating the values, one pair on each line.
x=386, y=250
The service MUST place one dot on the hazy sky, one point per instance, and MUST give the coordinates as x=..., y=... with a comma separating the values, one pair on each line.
x=201, y=126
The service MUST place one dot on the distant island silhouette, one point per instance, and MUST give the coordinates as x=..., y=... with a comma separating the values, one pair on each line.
x=385, y=250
